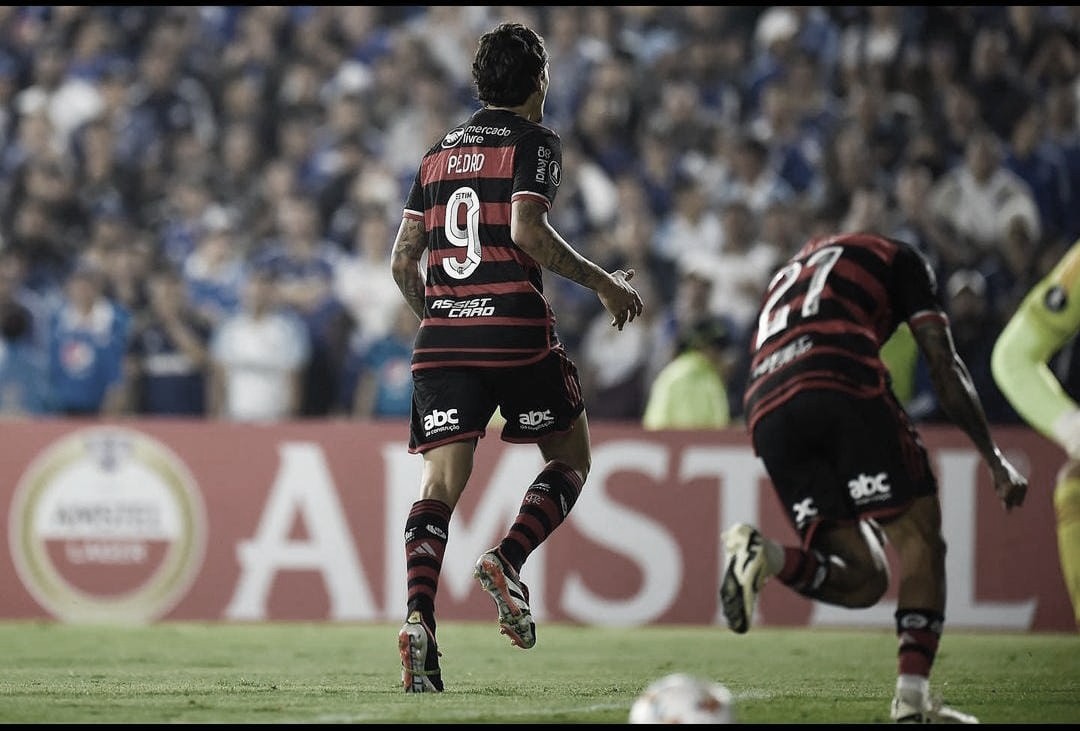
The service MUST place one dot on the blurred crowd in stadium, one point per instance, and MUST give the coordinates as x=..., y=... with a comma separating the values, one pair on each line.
x=165, y=172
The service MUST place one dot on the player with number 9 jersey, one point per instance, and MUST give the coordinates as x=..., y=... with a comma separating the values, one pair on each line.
x=477, y=212
x=484, y=301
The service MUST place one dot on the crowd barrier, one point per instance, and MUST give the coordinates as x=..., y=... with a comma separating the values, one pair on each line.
x=140, y=521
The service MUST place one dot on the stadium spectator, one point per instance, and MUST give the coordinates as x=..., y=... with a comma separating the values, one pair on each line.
x=487, y=339
x=295, y=139
x=614, y=365
x=344, y=160
x=956, y=120
x=911, y=219
x=628, y=240
x=710, y=55
x=775, y=47
x=842, y=455
x=213, y=273
x=1022, y=260
x=1049, y=55
x=105, y=181
x=88, y=336
x=925, y=148
x=46, y=220
x=885, y=119
x=795, y=151
x=68, y=100
x=258, y=356
x=13, y=269
x=167, y=357
x=778, y=229
x=680, y=115
x=657, y=171
x=617, y=367
x=692, y=229
x=691, y=391
x=304, y=262
x=970, y=307
x=753, y=179
x=572, y=55
x=867, y=210
x=111, y=229
x=237, y=180
x=378, y=383
x=977, y=198
x=189, y=200
x=872, y=45
x=166, y=100
x=269, y=101
x=126, y=267
x=9, y=85
x=373, y=186
x=431, y=98
x=817, y=40
x=360, y=282
x=1042, y=165
x=997, y=81
x=1062, y=131
x=23, y=389
x=114, y=84
x=693, y=292
x=852, y=167
x=31, y=137
x=740, y=269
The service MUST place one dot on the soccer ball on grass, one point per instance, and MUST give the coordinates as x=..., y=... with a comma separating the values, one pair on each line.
x=683, y=698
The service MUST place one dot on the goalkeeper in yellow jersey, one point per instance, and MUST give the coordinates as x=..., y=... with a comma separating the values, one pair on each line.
x=1047, y=318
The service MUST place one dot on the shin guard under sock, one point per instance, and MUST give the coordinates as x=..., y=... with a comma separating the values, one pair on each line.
x=544, y=507
x=426, y=531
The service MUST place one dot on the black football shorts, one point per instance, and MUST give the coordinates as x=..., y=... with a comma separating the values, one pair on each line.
x=835, y=457
x=455, y=404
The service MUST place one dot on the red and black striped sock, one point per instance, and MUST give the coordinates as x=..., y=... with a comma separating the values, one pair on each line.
x=918, y=632
x=804, y=571
x=546, y=504
x=426, y=530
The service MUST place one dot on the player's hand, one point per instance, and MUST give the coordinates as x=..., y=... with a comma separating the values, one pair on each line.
x=620, y=299
x=1010, y=486
x=1067, y=433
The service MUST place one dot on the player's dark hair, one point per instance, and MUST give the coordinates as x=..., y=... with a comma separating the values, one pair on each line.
x=508, y=64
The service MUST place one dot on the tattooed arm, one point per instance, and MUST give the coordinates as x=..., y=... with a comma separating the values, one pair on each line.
x=405, y=263
x=530, y=230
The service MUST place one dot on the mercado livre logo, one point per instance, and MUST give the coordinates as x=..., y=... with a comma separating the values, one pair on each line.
x=107, y=525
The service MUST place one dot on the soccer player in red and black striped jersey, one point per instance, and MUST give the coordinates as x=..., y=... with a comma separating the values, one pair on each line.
x=845, y=461
x=487, y=340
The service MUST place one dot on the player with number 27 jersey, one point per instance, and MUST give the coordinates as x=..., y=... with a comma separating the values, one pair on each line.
x=484, y=302
x=826, y=314
x=844, y=459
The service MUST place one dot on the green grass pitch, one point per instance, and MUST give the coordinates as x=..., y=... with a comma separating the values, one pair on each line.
x=349, y=673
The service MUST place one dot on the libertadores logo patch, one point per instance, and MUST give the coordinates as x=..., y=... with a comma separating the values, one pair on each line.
x=107, y=525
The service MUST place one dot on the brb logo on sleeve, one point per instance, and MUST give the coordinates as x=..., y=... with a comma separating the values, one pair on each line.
x=107, y=525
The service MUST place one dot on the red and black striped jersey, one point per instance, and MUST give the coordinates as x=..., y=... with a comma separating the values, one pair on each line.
x=826, y=313
x=484, y=297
